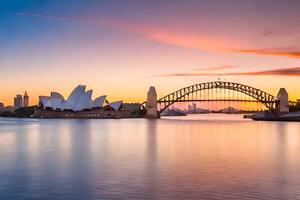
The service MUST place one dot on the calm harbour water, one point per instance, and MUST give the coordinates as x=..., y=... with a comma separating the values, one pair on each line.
x=194, y=157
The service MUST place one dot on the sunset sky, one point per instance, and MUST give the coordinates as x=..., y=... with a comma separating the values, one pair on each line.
x=121, y=47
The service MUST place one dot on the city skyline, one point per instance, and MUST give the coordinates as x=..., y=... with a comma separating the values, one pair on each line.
x=120, y=49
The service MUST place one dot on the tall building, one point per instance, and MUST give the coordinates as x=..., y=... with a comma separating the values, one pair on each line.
x=25, y=100
x=21, y=101
x=18, y=101
x=194, y=107
x=190, y=108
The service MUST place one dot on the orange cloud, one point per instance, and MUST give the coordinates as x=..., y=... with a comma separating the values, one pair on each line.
x=271, y=52
x=275, y=72
x=295, y=71
x=215, y=68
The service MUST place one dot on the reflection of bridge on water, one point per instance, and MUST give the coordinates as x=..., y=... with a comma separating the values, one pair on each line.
x=217, y=91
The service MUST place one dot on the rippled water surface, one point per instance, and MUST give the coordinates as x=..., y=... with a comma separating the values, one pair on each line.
x=194, y=157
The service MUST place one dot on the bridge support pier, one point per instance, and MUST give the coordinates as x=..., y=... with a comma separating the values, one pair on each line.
x=283, y=101
x=151, y=104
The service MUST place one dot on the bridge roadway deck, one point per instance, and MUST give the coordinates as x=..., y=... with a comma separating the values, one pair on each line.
x=201, y=100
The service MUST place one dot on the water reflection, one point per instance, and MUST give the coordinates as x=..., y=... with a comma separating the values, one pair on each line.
x=177, y=158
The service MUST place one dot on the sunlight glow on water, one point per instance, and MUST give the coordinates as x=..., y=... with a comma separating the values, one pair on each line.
x=194, y=157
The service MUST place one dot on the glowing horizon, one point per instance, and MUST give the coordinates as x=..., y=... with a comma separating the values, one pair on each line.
x=120, y=49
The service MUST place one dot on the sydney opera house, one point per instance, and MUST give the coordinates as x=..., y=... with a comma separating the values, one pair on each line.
x=79, y=104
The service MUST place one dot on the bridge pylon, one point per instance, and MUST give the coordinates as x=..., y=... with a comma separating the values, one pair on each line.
x=151, y=104
x=282, y=105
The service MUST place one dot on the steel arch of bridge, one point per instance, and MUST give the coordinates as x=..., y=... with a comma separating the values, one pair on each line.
x=179, y=96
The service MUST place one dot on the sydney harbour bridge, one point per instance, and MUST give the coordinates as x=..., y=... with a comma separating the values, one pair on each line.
x=218, y=91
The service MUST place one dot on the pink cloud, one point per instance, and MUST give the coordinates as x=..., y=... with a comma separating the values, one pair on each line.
x=172, y=37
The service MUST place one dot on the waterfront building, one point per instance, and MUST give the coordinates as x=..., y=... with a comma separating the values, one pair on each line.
x=80, y=104
x=7, y=109
x=78, y=100
x=1, y=105
x=132, y=106
x=18, y=101
x=25, y=100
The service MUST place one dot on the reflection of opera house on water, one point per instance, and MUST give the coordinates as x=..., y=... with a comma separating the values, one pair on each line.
x=79, y=104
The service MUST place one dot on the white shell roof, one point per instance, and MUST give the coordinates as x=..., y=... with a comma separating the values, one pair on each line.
x=76, y=94
x=115, y=105
x=46, y=101
x=56, y=100
x=98, y=102
x=64, y=105
x=84, y=102
x=78, y=100
x=57, y=95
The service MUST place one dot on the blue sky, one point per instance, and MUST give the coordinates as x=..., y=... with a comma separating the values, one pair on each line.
x=55, y=45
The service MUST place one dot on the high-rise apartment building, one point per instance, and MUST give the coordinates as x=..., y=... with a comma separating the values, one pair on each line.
x=18, y=101
x=25, y=100
x=21, y=101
